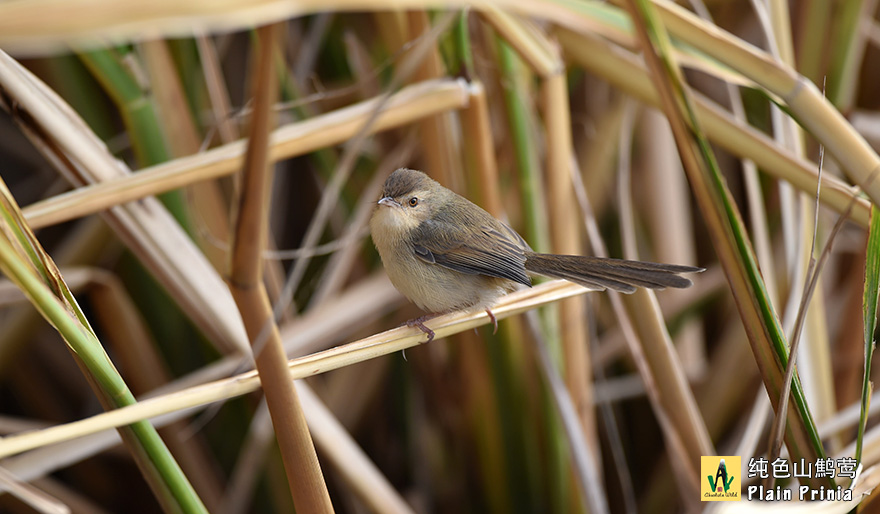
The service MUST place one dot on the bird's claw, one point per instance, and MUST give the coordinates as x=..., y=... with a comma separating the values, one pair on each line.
x=420, y=324
x=494, y=321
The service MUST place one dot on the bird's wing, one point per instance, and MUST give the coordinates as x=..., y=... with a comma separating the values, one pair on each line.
x=495, y=249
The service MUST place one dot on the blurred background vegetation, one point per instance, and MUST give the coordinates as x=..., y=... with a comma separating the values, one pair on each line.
x=523, y=112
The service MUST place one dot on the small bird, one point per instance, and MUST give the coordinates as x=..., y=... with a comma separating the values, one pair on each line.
x=444, y=253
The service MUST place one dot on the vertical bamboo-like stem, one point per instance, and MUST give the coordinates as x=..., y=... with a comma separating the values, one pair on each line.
x=478, y=149
x=668, y=210
x=436, y=130
x=481, y=170
x=245, y=281
x=565, y=238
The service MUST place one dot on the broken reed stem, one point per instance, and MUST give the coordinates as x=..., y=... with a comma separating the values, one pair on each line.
x=304, y=476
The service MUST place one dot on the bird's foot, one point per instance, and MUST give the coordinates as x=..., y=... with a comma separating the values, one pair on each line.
x=420, y=324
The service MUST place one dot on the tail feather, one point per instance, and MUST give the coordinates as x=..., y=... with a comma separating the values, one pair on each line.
x=616, y=274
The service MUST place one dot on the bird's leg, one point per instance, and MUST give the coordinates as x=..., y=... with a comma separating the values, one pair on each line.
x=494, y=321
x=420, y=324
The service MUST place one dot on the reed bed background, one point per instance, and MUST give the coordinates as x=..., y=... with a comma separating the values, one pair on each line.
x=186, y=188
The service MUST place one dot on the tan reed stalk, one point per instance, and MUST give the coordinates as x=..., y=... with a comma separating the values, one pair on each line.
x=207, y=210
x=565, y=238
x=217, y=91
x=304, y=475
x=720, y=126
x=725, y=226
x=441, y=155
x=479, y=151
x=297, y=138
x=75, y=151
x=370, y=347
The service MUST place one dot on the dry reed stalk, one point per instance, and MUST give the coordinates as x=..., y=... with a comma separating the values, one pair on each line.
x=739, y=139
x=680, y=448
x=815, y=112
x=668, y=215
x=294, y=139
x=304, y=475
x=221, y=107
x=814, y=363
x=733, y=360
x=436, y=131
x=205, y=198
x=28, y=25
x=367, y=348
x=146, y=227
x=543, y=56
x=340, y=449
x=722, y=219
x=479, y=150
x=31, y=496
x=565, y=238
x=481, y=171
x=666, y=367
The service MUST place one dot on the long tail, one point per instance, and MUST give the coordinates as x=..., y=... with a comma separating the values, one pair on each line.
x=599, y=273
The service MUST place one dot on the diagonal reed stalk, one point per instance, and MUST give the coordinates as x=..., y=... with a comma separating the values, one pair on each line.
x=24, y=261
x=728, y=234
x=313, y=364
x=626, y=394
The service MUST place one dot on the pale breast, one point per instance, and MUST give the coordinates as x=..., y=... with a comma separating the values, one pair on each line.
x=434, y=288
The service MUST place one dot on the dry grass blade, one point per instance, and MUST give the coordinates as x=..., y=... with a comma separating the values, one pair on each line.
x=725, y=226
x=585, y=459
x=304, y=475
x=405, y=106
x=740, y=139
x=358, y=305
x=671, y=399
x=814, y=111
x=31, y=496
x=146, y=227
x=26, y=23
x=543, y=57
x=338, y=447
x=314, y=364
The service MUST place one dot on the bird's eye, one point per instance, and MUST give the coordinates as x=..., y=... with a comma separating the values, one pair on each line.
x=413, y=201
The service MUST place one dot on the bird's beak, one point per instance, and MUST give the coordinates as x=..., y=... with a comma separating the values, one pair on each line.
x=388, y=202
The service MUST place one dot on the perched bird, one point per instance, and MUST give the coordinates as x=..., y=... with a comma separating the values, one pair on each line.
x=444, y=253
